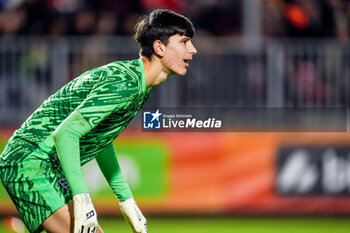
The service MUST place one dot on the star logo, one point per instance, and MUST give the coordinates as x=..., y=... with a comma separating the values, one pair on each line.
x=156, y=115
x=151, y=120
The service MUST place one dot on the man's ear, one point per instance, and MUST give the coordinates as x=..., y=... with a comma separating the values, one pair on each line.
x=158, y=48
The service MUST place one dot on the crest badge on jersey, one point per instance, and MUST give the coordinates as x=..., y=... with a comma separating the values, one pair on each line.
x=63, y=182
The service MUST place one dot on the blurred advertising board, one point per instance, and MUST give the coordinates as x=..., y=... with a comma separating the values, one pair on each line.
x=313, y=170
x=226, y=173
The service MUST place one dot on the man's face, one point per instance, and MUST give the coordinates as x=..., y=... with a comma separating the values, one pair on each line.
x=178, y=52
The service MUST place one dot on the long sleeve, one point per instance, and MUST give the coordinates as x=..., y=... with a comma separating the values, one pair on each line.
x=113, y=92
x=110, y=168
x=66, y=138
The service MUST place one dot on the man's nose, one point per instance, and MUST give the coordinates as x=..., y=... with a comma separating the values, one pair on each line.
x=193, y=50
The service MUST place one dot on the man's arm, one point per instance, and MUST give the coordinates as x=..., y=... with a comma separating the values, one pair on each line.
x=66, y=138
x=110, y=168
x=101, y=102
x=108, y=163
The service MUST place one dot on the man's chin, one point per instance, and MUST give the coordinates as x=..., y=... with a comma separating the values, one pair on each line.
x=180, y=72
x=183, y=73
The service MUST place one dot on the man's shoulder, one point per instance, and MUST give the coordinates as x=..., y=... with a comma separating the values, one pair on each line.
x=120, y=66
x=119, y=69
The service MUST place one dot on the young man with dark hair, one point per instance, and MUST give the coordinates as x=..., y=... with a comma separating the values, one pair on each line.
x=40, y=166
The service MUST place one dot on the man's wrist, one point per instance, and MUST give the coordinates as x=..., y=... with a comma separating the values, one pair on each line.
x=82, y=198
x=130, y=199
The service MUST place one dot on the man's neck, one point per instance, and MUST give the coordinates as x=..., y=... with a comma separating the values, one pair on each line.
x=154, y=73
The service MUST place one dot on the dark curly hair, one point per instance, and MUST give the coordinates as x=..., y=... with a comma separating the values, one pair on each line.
x=160, y=25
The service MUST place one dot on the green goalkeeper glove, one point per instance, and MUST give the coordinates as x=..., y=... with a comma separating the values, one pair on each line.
x=85, y=218
x=133, y=216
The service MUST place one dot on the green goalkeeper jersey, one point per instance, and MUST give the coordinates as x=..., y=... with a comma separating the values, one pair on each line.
x=108, y=97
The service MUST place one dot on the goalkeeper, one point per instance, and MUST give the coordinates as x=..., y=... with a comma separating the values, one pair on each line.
x=40, y=166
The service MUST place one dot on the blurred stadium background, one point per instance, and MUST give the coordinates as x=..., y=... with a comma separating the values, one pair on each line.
x=252, y=54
